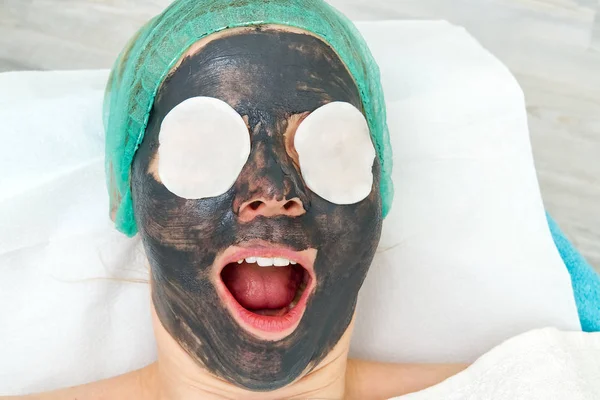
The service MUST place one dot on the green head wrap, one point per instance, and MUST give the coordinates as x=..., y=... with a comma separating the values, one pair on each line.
x=150, y=55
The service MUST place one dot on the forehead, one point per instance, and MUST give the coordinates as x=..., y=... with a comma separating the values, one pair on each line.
x=261, y=71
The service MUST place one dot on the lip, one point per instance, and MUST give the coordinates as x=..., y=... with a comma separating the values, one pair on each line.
x=265, y=327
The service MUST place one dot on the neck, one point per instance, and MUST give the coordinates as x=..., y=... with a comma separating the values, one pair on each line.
x=175, y=376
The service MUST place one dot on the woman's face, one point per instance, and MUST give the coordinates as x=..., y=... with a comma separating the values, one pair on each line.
x=214, y=288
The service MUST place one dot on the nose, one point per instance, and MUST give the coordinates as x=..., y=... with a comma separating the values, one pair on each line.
x=270, y=208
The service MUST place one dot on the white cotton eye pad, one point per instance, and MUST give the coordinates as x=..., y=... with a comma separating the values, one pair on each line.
x=204, y=144
x=336, y=153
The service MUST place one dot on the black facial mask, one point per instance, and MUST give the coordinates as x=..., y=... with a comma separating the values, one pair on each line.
x=270, y=78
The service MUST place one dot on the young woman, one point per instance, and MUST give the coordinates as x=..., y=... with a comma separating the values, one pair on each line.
x=247, y=143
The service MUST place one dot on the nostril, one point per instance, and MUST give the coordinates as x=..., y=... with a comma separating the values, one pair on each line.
x=293, y=207
x=255, y=205
x=270, y=208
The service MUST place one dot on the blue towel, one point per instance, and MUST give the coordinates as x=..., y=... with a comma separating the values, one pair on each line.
x=585, y=281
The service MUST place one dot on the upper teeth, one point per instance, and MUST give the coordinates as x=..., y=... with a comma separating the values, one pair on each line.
x=268, y=262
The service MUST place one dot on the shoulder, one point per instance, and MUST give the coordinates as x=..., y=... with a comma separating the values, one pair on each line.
x=365, y=379
x=134, y=385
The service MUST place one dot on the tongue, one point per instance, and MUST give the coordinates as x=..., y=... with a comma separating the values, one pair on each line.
x=257, y=288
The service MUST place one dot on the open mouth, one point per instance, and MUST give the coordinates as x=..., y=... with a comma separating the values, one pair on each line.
x=266, y=289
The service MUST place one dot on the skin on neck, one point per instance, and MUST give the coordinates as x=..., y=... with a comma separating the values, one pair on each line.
x=177, y=376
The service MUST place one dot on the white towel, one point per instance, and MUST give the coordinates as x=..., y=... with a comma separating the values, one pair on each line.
x=544, y=364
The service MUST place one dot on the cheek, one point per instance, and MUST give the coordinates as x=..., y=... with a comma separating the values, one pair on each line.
x=349, y=234
x=181, y=257
x=197, y=226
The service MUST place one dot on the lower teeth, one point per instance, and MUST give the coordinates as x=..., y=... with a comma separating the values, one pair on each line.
x=299, y=293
